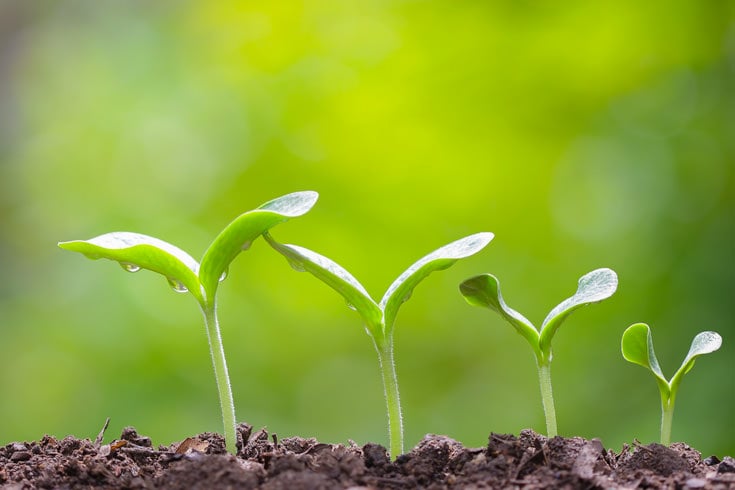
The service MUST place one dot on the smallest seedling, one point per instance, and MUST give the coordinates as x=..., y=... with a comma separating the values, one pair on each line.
x=637, y=347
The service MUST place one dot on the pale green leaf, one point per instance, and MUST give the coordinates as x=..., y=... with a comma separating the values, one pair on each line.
x=593, y=287
x=440, y=259
x=337, y=278
x=243, y=230
x=637, y=347
x=484, y=291
x=703, y=343
x=136, y=251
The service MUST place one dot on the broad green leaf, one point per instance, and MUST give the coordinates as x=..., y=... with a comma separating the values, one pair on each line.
x=484, y=290
x=637, y=347
x=703, y=343
x=135, y=251
x=440, y=259
x=593, y=287
x=337, y=278
x=243, y=230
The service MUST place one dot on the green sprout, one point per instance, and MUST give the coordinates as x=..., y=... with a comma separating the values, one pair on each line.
x=380, y=317
x=637, y=347
x=135, y=252
x=484, y=290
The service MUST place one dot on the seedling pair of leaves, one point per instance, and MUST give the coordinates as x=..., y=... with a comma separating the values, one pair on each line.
x=379, y=317
x=637, y=347
x=135, y=251
x=484, y=291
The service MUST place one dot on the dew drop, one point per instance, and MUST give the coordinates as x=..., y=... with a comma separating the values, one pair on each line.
x=351, y=306
x=297, y=266
x=177, y=285
x=129, y=267
x=224, y=275
x=247, y=245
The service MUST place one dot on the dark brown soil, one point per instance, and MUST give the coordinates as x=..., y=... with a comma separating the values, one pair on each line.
x=530, y=461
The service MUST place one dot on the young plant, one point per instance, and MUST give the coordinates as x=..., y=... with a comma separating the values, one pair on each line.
x=637, y=347
x=135, y=252
x=380, y=317
x=484, y=290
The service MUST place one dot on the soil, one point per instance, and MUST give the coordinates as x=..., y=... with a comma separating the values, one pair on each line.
x=529, y=461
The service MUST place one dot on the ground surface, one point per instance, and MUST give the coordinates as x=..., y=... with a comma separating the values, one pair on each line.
x=529, y=461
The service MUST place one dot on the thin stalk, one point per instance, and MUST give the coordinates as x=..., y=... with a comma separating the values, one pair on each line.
x=392, y=399
x=547, y=397
x=667, y=417
x=227, y=403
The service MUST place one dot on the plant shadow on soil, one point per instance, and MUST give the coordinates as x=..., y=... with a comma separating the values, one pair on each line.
x=529, y=461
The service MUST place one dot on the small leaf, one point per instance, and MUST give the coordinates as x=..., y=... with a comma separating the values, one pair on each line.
x=637, y=347
x=243, y=230
x=440, y=259
x=593, y=287
x=337, y=278
x=484, y=290
x=703, y=343
x=134, y=250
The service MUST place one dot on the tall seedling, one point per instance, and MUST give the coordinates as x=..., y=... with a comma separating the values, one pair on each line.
x=135, y=252
x=380, y=317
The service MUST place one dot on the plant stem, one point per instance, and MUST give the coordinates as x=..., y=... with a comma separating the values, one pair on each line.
x=227, y=403
x=392, y=400
x=547, y=397
x=667, y=417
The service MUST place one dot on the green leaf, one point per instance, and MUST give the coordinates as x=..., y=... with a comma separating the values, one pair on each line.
x=593, y=287
x=243, y=230
x=440, y=259
x=337, y=278
x=484, y=291
x=637, y=347
x=703, y=343
x=134, y=251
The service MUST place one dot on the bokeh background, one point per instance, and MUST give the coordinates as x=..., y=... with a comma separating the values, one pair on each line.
x=583, y=134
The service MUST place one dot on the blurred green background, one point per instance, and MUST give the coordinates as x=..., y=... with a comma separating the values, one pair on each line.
x=583, y=134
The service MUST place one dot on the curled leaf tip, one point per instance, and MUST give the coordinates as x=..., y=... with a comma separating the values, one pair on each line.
x=599, y=284
x=705, y=342
x=464, y=247
x=292, y=205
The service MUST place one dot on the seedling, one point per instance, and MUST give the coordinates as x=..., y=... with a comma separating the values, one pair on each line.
x=637, y=347
x=380, y=317
x=135, y=252
x=484, y=290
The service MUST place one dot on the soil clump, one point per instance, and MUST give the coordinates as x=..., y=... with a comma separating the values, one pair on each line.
x=529, y=461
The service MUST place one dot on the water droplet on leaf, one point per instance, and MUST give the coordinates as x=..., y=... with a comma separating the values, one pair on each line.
x=130, y=267
x=351, y=306
x=224, y=275
x=297, y=266
x=247, y=245
x=177, y=285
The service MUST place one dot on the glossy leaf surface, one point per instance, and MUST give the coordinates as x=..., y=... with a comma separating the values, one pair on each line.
x=134, y=250
x=703, y=343
x=637, y=347
x=592, y=287
x=401, y=289
x=336, y=277
x=484, y=291
x=243, y=230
